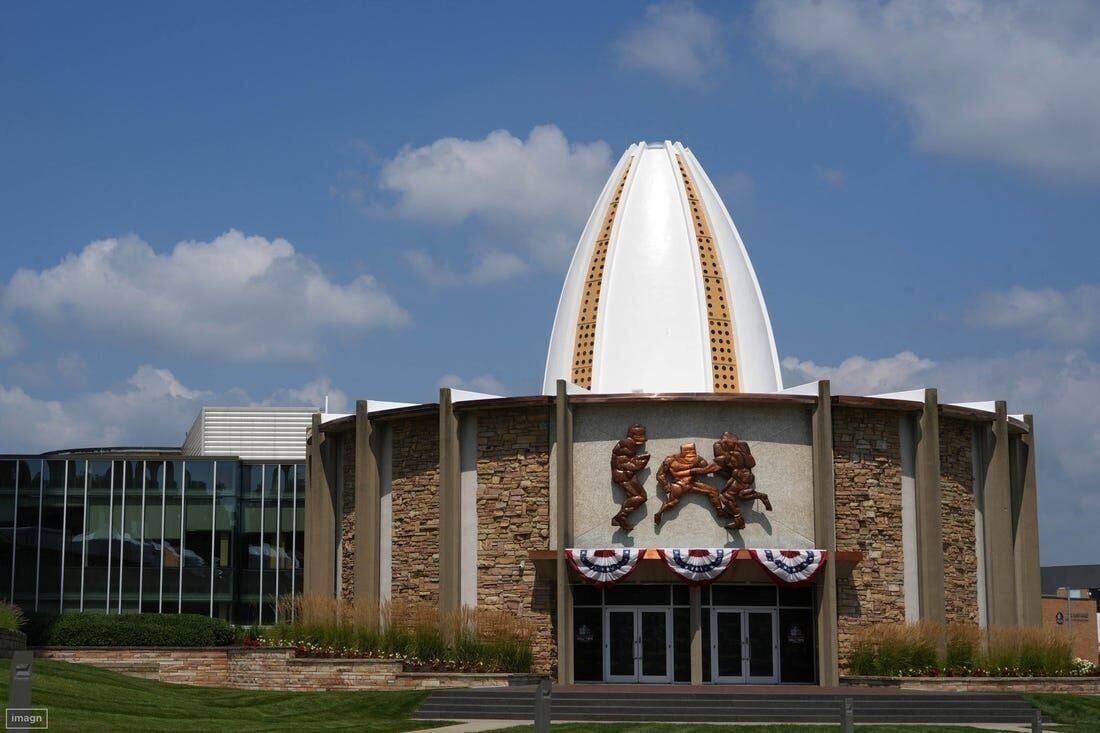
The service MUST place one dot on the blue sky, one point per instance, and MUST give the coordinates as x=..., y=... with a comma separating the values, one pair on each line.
x=380, y=198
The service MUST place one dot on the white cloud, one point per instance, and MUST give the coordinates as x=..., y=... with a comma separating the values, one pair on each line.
x=534, y=194
x=151, y=408
x=1013, y=82
x=1061, y=388
x=486, y=383
x=487, y=267
x=832, y=176
x=234, y=298
x=674, y=40
x=1071, y=316
x=11, y=341
x=858, y=374
x=72, y=369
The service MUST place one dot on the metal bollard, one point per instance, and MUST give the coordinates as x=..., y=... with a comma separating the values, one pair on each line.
x=19, y=691
x=848, y=717
x=1036, y=721
x=542, y=707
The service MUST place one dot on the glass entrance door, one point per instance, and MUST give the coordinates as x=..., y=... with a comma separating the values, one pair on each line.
x=637, y=645
x=744, y=646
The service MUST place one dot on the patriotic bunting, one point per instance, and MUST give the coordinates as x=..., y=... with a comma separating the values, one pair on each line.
x=604, y=567
x=698, y=566
x=791, y=568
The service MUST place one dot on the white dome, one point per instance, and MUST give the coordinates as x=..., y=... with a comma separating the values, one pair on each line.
x=661, y=296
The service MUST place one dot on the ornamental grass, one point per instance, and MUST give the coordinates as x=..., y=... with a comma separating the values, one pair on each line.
x=470, y=640
x=912, y=650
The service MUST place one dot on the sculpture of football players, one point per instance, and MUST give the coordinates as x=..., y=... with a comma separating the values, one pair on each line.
x=626, y=462
x=679, y=474
x=735, y=464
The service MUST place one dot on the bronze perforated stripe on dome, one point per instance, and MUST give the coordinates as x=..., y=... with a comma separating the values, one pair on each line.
x=584, y=344
x=723, y=355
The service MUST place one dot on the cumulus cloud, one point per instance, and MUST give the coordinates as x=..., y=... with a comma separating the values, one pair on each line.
x=150, y=408
x=675, y=40
x=487, y=267
x=486, y=383
x=237, y=297
x=1060, y=387
x=534, y=195
x=1008, y=81
x=1071, y=316
x=11, y=341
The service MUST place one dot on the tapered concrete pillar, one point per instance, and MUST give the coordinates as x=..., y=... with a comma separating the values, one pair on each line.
x=828, y=669
x=368, y=528
x=1025, y=546
x=450, y=507
x=1000, y=570
x=930, y=513
x=319, y=573
x=563, y=445
x=695, y=597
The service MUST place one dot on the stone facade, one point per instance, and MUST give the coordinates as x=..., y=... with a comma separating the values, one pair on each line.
x=513, y=514
x=1078, y=685
x=347, y=515
x=250, y=668
x=867, y=465
x=960, y=559
x=414, y=492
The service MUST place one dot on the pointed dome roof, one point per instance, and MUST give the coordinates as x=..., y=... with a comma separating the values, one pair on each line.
x=660, y=295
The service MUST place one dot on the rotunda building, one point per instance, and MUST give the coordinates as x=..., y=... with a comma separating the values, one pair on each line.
x=665, y=511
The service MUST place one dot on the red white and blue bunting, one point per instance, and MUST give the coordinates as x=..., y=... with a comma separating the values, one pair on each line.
x=791, y=568
x=698, y=566
x=604, y=567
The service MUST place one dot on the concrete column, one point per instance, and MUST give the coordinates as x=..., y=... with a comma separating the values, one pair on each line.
x=1025, y=547
x=319, y=573
x=828, y=668
x=563, y=441
x=997, y=498
x=695, y=596
x=930, y=512
x=368, y=528
x=450, y=507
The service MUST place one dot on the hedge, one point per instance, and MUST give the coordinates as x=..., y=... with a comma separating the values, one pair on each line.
x=95, y=629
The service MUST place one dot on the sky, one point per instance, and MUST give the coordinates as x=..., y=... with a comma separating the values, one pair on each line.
x=268, y=203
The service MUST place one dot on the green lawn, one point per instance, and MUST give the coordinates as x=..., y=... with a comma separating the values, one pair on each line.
x=1074, y=713
x=83, y=698
x=762, y=728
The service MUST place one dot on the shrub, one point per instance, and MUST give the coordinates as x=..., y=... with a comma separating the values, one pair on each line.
x=907, y=650
x=93, y=629
x=11, y=617
x=473, y=640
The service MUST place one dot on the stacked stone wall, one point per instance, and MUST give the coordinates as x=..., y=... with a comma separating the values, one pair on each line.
x=347, y=515
x=867, y=466
x=513, y=513
x=960, y=559
x=414, y=492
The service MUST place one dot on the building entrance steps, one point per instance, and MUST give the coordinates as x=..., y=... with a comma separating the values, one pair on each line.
x=727, y=704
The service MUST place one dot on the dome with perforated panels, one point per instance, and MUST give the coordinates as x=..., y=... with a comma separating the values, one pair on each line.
x=660, y=295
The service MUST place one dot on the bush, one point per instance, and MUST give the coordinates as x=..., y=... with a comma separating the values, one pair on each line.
x=93, y=629
x=901, y=650
x=473, y=640
x=35, y=626
x=11, y=617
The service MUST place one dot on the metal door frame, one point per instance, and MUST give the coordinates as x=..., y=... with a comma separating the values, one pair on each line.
x=636, y=612
x=745, y=678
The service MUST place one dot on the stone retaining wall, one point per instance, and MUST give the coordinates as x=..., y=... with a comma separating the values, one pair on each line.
x=1079, y=685
x=251, y=668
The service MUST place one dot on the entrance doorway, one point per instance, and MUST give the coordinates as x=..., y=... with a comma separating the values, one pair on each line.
x=744, y=645
x=637, y=644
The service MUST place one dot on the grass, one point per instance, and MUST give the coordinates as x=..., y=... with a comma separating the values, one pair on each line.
x=1073, y=713
x=83, y=698
x=695, y=728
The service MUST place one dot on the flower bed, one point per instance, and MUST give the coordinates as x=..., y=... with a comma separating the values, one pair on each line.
x=914, y=650
x=471, y=641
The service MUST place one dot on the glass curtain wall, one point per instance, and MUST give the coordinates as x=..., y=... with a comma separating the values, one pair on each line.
x=123, y=535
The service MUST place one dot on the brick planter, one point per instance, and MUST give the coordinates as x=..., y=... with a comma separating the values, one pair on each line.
x=1080, y=685
x=269, y=668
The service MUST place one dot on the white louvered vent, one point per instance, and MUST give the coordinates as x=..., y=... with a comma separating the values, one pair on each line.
x=252, y=434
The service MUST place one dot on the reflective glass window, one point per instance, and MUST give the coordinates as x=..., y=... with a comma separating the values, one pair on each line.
x=250, y=546
x=225, y=520
x=198, y=538
x=51, y=536
x=29, y=487
x=96, y=536
x=172, y=549
x=7, y=525
x=151, y=554
x=73, y=535
x=130, y=537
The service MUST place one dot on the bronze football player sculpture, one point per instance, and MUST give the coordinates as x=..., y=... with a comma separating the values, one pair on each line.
x=626, y=462
x=735, y=463
x=679, y=474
